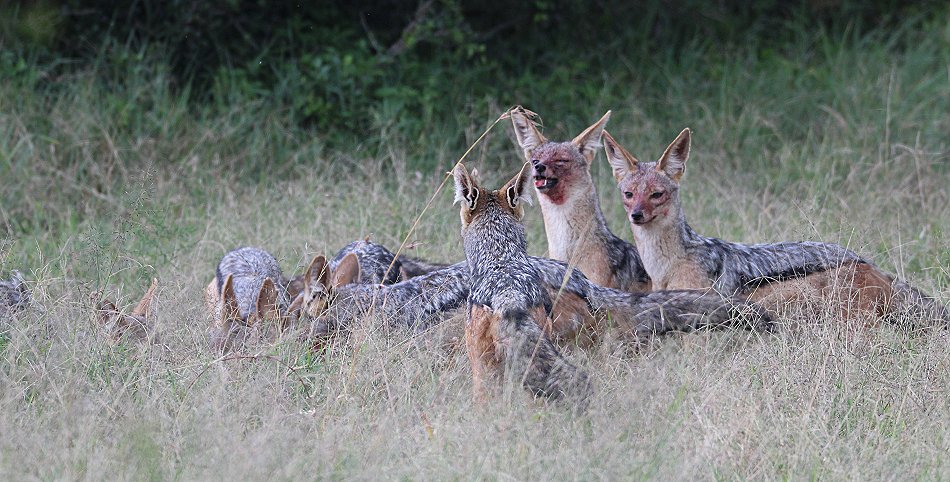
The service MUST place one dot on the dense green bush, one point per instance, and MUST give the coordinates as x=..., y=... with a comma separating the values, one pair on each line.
x=337, y=65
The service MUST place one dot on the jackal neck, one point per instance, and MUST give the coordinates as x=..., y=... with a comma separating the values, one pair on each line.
x=492, y=239
x=502, y=277
x=662, y=247
x=575, y=226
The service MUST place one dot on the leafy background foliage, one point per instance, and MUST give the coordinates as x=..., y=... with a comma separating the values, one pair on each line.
x=338, y=66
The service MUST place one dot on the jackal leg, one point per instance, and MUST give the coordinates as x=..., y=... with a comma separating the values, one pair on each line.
x=480, y=345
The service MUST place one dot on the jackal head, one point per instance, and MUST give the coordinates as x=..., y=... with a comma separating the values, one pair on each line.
x=478, y=202
x=561, y=169
x=319, y=284
x=229, y=328
x=650, y=190
x=267, y=304
x=136, y=325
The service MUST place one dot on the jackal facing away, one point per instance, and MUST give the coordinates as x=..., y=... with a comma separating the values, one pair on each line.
x=507, y=304
x=775, y=274
x=573, y=222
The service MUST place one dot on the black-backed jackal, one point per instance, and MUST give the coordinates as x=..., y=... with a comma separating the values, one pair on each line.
x=136, y=325
x=573, y=222
x=775, y=275
x=508, y=305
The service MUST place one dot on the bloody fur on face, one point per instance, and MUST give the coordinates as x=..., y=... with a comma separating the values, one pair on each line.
x=557, y=166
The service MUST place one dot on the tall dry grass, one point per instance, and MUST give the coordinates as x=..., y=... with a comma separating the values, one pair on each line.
x=110, y=191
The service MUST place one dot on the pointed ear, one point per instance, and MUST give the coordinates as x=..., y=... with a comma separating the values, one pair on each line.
x=295, y=286
x=318, y=272
x=106, y=311
x=515, y=191
x=348, y=271
x=525, y=131
x=294, y=309
x=211, y=295
x=466, y=189
x=589, y=141
x=621, y=161
x=267, y=300
x=18, y=281
x=673, y=161
x=230, y=308
x=143, y=309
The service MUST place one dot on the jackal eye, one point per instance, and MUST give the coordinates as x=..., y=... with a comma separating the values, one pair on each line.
x=628, y=194
x=656, y=195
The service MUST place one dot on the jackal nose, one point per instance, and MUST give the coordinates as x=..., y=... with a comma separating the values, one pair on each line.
x=538, y=167
x=636, y=216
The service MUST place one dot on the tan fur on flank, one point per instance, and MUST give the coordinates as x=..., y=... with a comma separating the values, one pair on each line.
x=571, y=321
x=855, y=291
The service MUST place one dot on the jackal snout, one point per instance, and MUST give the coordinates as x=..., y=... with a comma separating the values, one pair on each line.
x=544, y=179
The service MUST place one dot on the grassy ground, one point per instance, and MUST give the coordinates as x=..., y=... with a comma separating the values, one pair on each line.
x=109, y=179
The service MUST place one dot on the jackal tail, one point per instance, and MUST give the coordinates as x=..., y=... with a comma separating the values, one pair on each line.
x=532, y=356
x=412, y=267
x=648, y=314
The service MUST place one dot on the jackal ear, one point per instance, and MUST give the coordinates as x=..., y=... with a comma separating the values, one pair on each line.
x=106, y=311
x=267, y=300
x=621, y=161
x=348, y=271
x=515, y=190
x=318, y=273
x=466, y=189
x=589, y=141
x=526, y=132
x=212, y=296
x=673, y=161
x=230, y=308
x=295, y=286
x=144, y=307
x=296, y=305
x=18, y=281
